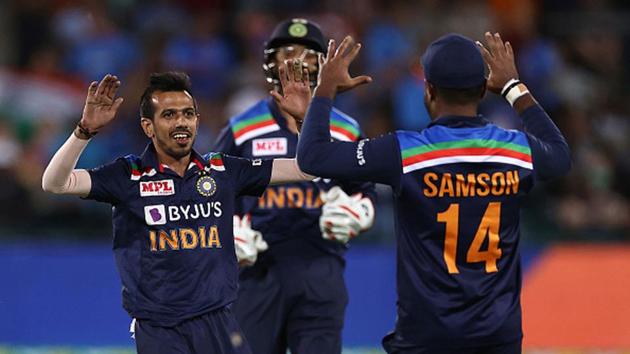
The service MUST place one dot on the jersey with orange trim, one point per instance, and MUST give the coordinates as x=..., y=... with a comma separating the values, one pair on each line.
x=458, y=185
x=462, y=188
x=173, y=238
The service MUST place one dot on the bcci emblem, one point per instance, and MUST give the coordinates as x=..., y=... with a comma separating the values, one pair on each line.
x=206, y=186
x=298, y=30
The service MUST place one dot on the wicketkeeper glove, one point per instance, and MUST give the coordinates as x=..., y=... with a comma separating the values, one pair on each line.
x=247, y=242
x=343, y=216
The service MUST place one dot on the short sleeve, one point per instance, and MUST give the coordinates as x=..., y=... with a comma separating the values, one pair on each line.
x=109, y=182
x=250, y=177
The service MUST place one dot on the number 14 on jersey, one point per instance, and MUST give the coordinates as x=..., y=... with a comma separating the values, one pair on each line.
x=489, y=227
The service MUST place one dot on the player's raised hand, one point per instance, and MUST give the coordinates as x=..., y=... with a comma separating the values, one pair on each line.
x=333, y=70
x=296, y=90
x=499, y=57
x=101, y=104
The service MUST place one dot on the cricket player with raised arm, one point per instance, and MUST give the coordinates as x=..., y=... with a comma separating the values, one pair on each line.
x=458, y=186
x=293, y=295
x=172, y=216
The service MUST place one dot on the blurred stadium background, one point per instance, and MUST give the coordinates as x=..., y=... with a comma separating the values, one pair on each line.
x=59, y=291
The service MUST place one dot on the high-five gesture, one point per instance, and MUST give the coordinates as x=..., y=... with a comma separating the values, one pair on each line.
x=499, y=57
x=333, y=73
x=296, y=90
x=100, y=105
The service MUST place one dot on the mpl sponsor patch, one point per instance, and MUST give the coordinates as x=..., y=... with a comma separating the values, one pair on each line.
x=157, y=188
x=269, y=146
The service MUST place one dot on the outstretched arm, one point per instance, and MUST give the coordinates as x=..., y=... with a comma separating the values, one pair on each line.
x=375, y=160
x=286, y=171
x=60, y=177
x=550, y=151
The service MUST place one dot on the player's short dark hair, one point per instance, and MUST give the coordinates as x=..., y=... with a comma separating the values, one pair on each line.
x=461, y=96
x=163, y=82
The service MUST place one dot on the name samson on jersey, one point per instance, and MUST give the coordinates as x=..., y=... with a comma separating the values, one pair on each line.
x=470, y=184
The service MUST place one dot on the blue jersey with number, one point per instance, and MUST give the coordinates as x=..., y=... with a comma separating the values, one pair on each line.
x=173, y=238
x=458, y=190
x=458, y=216
x=287, y=215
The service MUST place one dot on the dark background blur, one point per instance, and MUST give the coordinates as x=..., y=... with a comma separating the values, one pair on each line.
x=573, y=56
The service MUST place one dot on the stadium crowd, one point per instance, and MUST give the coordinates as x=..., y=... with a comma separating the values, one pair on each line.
x=50, y=51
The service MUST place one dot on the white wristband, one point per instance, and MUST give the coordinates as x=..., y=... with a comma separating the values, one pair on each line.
x=513, y=90
x=515, y=93
x=509, y=85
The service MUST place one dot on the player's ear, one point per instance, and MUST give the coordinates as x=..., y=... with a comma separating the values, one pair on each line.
x=147, y=127
x=429, y=91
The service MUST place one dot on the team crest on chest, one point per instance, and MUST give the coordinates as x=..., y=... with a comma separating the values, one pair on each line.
x=206, y=186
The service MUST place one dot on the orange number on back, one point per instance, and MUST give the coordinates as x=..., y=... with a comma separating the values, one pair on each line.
x=489, y=227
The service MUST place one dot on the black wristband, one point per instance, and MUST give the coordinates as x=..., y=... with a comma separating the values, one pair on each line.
x=85, y=132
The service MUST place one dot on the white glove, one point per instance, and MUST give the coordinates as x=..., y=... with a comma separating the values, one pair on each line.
x=344, y=216
x=247, y=242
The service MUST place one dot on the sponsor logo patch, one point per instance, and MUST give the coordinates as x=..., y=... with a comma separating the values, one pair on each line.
x=155, y=214
x=269, y=146
x=360, y=155
x=157, y=188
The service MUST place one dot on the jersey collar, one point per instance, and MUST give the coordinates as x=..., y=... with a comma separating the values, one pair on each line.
x=149, y=160
x=460, y=121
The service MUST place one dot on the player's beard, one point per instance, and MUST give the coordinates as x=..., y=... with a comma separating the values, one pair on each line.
x=172, y=148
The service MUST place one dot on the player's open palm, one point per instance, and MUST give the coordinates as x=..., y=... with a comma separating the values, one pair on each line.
x=296, y=90
x=499, y=56
x=101, y=105
x=333, y=72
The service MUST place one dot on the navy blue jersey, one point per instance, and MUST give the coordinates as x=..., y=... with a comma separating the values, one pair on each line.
x=173, y=238
x=287, y=215
x=459, y=185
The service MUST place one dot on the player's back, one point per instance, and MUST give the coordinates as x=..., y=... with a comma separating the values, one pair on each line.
x=459, y=273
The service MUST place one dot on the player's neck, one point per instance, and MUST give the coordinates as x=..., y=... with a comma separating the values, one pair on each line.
x=179, y=165
x=456, y=110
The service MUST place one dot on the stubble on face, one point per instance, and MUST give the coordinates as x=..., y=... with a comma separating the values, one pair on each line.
x=175, y=123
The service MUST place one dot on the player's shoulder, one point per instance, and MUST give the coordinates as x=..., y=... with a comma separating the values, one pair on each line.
x=513, y=136
x=337, y=114
x=256, y=109
x=133, y=167
x=436, y=134
x=220, y=161
x=255, y=121
x=408, y=138
x=343, y=127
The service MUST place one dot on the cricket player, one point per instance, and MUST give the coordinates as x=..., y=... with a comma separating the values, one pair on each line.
x=172, y=216
x=458, y=189
x=293, y=295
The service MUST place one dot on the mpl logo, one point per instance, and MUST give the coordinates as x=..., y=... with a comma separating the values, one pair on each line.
x=269, y=146
x=157, y=188
x=155, y=214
